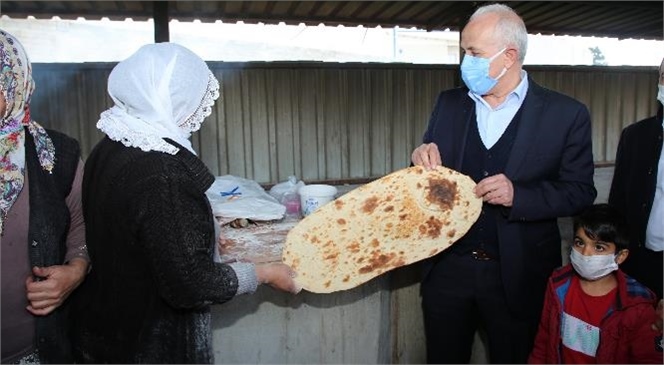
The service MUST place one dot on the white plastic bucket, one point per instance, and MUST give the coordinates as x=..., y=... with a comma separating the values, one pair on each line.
x=314, y=196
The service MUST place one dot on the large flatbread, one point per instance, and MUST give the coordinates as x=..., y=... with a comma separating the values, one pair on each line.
x=399, y=219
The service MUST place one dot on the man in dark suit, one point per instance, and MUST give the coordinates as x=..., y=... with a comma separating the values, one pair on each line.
x=529, y=150
x=637, y=190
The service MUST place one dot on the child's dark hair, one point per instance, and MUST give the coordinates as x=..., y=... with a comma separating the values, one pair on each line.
x=603, y=222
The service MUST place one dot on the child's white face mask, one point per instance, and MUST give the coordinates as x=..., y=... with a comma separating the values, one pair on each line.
x=593, y=267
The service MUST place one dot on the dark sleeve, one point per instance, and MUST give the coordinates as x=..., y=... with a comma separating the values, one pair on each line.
x=175, y=229
x=618, y=190
x=428, y=134
x=542, y=339
x=573, y=187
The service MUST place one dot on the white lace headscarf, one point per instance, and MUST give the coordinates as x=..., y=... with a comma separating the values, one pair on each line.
x=164, y=90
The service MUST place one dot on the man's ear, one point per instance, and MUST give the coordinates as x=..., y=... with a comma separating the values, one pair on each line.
x=512, y=56
x=622, y=256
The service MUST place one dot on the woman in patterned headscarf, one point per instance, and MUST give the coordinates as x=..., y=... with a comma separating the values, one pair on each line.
x=149, y=224
x=42, y=232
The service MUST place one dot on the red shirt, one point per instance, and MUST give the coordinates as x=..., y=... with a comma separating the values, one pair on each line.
x=581, y=322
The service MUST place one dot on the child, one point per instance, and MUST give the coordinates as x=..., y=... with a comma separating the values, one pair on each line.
x=593, y=312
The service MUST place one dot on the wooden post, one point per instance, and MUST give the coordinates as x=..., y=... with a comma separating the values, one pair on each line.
x=161, y=21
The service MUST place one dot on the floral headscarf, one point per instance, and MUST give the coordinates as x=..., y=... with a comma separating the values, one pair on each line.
x=16, y=85
x=164, y=90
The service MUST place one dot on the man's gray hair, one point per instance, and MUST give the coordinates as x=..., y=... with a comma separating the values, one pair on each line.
x=510, y=28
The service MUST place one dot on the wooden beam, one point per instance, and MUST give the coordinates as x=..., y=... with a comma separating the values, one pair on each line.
x=161, y=33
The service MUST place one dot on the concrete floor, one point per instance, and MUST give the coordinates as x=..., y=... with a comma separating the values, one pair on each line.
x=602, y=179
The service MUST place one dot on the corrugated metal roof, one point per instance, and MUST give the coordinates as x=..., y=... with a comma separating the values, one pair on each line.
x=619, y=19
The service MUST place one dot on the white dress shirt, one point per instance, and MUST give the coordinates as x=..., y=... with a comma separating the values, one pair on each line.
x=655, y=230
x=492, y=123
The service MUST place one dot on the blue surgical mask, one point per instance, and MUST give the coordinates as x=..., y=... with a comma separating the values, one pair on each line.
x=475, y=73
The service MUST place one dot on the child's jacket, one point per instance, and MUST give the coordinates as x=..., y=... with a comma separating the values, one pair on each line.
x=626, y=333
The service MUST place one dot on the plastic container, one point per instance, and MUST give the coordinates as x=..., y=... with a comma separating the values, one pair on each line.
x=292, y=203
x=314, y=196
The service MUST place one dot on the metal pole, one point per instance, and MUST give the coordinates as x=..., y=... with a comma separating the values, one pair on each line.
x=160, y=10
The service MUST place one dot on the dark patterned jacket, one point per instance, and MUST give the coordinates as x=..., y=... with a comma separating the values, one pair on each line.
x=47, y=234
x=150, y=235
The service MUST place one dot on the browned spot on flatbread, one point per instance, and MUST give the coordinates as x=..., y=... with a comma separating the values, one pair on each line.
x=353, y=247
x=327, y=283
x=377, y=261
x=403, y=216
x=451, y=233
x=370, y=205
x=295, y=264
x=375, y=243
x=332, y=256
x=341, y=221
x=315, y=239
x=389, y=198
x=419, y=186
x=419, y=171
x=433, y=227
x=388, y=209
x=338, y=204
x=433, y=252
x=346, y=278
x=442, y=192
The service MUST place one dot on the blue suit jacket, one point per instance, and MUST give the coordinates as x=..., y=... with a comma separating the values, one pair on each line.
x=551, y=167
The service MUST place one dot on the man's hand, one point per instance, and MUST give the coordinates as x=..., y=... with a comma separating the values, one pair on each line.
x=56, y=283
x=278, y=276
x=427, y=155
x=496, y=189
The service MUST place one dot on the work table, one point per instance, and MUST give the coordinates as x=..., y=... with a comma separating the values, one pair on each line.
x=378, y=322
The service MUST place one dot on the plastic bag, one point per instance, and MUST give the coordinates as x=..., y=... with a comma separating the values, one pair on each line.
x=287, y=194
x=279, y=190
x=233, y=197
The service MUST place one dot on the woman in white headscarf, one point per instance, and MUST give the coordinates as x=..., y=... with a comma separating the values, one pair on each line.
x=149, y=224
x=42, y=232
